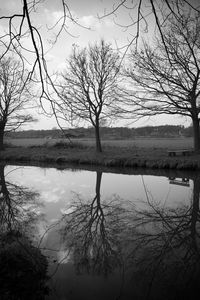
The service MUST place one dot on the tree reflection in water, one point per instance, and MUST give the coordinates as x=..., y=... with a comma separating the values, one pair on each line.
x=91, y=230
x=169, y=242
x=22, y=266
x=157, y=245
x=154, y=249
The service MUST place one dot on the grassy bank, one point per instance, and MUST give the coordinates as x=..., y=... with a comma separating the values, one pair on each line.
x=116, y=154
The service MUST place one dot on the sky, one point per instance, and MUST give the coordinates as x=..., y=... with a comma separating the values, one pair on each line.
x=88, y=30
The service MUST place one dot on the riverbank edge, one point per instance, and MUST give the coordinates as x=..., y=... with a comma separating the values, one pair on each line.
x=159, y=160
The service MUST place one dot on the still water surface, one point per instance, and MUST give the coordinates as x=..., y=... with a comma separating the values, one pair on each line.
x=78, y=234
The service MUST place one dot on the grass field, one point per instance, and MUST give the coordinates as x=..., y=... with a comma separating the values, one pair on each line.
x=140, y=152
x=165, y=143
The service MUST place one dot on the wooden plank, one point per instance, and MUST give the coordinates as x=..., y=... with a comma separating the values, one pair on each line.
x=179, y=183
x=181, y=152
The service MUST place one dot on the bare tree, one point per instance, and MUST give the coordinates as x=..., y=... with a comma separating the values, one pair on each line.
x=89, y=90
x=165, y=78
x=14, y=96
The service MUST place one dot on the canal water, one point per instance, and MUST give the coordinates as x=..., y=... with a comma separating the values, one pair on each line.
x=93, y=234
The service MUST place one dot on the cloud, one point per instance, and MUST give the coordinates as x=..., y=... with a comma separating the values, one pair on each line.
x=63, y=256
x=94, y=23
x=90, y=22
x=50, y=197
x=57, y=16
x=49, y=57
x=11, y=6
x=109, y=23
x=65, y=211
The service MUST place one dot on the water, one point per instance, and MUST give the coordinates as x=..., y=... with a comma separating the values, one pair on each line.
x=80, y=234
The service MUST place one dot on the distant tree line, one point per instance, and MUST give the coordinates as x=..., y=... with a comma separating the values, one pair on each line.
x=108, y=132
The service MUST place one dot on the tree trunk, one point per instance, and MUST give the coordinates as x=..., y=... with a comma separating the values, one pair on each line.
x=97, y=136
x=195, y=121
x=1, y=137
x=98, y=186
x=195, y=207
x=5, y=202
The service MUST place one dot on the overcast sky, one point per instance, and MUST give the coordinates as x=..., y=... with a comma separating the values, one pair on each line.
x=86, y=13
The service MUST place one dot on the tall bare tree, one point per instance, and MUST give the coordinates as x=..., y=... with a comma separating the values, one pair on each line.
x=165, y=78
x=14, y=96
x=89, y=90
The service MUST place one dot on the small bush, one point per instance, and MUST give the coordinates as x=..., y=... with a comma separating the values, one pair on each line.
x=61, y=160
x=8, y=145
x=69, y=145
x=44, y=145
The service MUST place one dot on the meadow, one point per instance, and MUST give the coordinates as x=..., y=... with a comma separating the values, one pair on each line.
x=146, y=143
x=140, y=152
